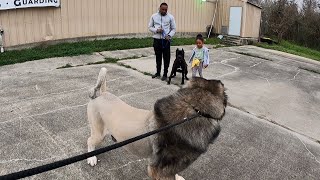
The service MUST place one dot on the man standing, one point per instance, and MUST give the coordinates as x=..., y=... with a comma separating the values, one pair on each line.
x=163, y=26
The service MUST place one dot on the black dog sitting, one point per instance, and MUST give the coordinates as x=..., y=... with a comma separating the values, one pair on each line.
x=179, y=65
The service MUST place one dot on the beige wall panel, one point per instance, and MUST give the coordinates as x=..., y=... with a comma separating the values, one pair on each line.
x=96, y=19
x=70, y=17
x=140, y=15
x=76, y=16
x=121, y=18
x=103, y=16
x=115, y=17
x=86, y=15
x=49, y=27
x=4, y=16
x=10, y=27
x=109, y=20
x=250, y=19
x=13, y=25
x=36, y=28
x=86, y=18
x=43, y=24
x=193, y=27
x=29, y=23
x=252, y=25
x=20, y=26
x=64, y=20
x=128, y=22
x=209, y=9
x=224, y=12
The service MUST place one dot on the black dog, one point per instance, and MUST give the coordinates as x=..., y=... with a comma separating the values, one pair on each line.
x=179, y=65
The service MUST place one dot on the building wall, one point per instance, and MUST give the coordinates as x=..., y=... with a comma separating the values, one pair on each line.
x=251, y=16
x=251, y=27
x=90, y=18
x=223, y=12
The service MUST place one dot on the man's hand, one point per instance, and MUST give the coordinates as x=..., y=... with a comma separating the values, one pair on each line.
x=160, y=30
x=205, y=66
x=168, y=37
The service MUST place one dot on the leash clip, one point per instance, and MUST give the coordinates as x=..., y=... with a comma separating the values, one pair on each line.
x=198, y=112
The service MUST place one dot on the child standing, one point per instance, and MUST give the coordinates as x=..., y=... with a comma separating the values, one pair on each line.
x=199, y=57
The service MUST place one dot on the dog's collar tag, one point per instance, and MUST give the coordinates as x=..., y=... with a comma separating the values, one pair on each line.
x=203, y=114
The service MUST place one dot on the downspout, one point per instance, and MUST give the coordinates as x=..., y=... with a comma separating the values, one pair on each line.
x=214, y=16
x=1, y=40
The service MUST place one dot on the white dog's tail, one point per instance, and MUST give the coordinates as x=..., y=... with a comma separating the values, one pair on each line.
x=101, y=84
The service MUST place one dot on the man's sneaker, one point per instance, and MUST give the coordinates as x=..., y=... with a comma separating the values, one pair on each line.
x=155, y=76
x=164, y=78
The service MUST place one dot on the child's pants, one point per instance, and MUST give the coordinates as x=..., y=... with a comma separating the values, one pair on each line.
x=197, y=68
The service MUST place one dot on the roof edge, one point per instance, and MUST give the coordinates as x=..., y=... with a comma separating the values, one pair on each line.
x=254, y=4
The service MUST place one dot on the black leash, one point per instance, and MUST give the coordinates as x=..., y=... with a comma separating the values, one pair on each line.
x=61, y=163
x=168, y=41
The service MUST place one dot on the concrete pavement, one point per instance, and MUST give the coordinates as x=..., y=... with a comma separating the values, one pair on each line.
x=271, y=85
x=270, y=132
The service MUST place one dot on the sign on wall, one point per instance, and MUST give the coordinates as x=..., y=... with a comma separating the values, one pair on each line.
x=15, y=4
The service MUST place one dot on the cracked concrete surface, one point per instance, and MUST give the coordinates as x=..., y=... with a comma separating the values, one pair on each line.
x=43, y=115
x=265, y=83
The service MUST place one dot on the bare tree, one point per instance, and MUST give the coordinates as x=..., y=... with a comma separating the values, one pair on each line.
x=310, y=23
x=285, y=19
x=281, y=17
x=265, y=17
x=294, y=17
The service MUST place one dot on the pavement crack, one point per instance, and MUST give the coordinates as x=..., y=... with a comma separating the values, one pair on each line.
x=29, y=160
x=43, y=129
x=100, y=53
x=265, y=79
x=305, y=146
x=251, y=55
x=125, y=165
x=294, y=77
x=49, y=94
x=140, y=92
x=62, y=92
x=259, y=77
x=119, y=78
x=40, y=114
x=256, y=64
x=37, y=88
x=224, y=62
x=20, y=117
x=53, y=111
x=280, y=125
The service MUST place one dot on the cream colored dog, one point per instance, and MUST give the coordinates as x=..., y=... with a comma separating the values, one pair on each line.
x=108, y=114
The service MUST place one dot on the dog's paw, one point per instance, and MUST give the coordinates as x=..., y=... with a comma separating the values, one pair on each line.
x=92, y=161
x=177, y=177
